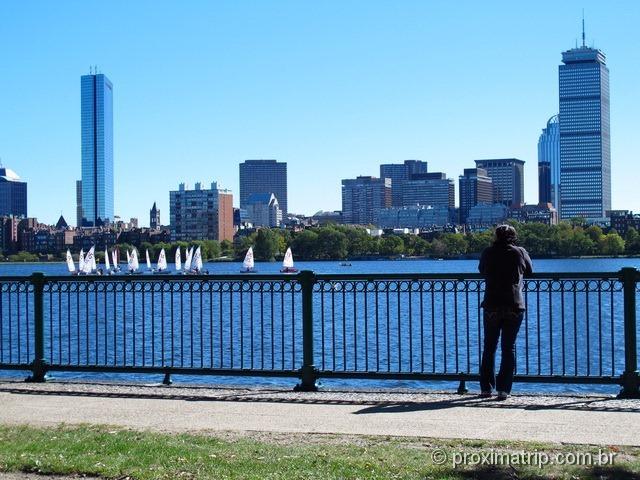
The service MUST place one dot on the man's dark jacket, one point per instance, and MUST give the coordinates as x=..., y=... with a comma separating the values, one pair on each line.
x=503, y=266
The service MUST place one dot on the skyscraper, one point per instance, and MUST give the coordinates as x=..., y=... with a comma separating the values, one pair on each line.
x=13, y=194
x=475, y=187
x=79, y=215
x=97, y=149
x=585, y=147
x=399, y=173
x=264, y=176
x=549, y=163
x=507, y=175
x=363, y=198
x=429, y=189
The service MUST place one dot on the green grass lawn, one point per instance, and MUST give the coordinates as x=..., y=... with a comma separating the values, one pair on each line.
x=120, y=453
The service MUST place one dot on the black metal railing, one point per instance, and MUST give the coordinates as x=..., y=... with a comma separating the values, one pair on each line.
x=578, y=327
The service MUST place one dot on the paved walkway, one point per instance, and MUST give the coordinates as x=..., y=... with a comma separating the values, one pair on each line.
x=601, y=420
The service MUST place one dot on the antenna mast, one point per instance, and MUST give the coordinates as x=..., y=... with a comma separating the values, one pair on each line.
x=583, y=40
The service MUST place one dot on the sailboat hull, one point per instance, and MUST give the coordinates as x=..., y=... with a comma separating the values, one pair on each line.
x=288, y=270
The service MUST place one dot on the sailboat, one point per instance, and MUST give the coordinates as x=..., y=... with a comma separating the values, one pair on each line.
x=89, y=262
x=133, y=263
x=148, y=260
x=287, y=263
x=187, y=260
x=70, y=265
x=114, y=257
x=107, y=266
x=196, y=262
x=178, y=260
x=248, y=264
x=81, y=262
x=161, y=268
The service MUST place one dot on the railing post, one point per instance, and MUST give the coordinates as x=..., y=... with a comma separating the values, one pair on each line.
x=630, y=378
x=39, y=364
x=308, y=372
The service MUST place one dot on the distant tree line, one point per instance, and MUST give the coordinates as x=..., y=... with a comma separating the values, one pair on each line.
x=340, y=242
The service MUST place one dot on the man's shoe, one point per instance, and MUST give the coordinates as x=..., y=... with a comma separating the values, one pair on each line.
x=503, y=395
x=485, y=393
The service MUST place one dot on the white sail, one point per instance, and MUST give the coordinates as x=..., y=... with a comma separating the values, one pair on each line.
x=148, y=260
x=106, y=260
x=178, y=260
x=70, y=265
x=197, y=260
x=288, y=259
x=130, y=261
x=134, y=259
x=162, y=261
x=114, y=257
x=89, y=261
x=94, y=267
x=187, y=261
x=248, y=263
x=81, y=261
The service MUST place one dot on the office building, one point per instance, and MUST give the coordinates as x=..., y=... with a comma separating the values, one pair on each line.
x=264, y=176
x=549, y=163
x=363, y=198
x=585, y=147
x=485, y=215
x=474, y=187
x=507, y=175
x=97, y=149
x=13, y=194
x=263, y=210
x=79, y=215
x=201, y=214
x=154, y=217
x=399, y=173
x=429, y=189
x=419, y=216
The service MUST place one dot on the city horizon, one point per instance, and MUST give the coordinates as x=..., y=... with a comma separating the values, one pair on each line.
x=314, y=183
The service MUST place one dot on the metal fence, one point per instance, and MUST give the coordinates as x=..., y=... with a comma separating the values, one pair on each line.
x=578, y=327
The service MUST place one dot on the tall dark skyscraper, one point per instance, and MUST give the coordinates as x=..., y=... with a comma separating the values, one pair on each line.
x=549, y=163
x=13, y=194
x=399, y=173
x=97, y=149
x=585, y=146
x=264, y=176
x=507, y=175
x=474, y=187
x=363, y=198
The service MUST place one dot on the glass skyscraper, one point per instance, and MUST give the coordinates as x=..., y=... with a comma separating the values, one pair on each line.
x=549, y=163
x=585, y=149
x=97, y=149
x=264, y=176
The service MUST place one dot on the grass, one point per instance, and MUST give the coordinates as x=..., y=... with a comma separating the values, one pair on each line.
x=120, y=453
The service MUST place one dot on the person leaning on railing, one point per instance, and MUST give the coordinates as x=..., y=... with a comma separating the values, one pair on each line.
x=503, y=266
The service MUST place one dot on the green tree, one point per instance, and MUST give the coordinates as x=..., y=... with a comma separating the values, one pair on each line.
x=305, y=245
x=612, y=244
x=266, y=246
x=632, y=241
x=391, y=245
x=455, y=243
x=332, y=244
x=226, y=248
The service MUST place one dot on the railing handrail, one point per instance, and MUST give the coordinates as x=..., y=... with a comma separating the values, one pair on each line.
x=145, y=277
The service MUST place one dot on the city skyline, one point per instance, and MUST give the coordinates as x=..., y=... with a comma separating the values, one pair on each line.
x=346, y=124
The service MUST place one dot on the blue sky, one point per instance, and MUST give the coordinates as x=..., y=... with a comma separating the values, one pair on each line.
x=333, y=88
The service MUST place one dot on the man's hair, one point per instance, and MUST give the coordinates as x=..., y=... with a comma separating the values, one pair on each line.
x=506, y=234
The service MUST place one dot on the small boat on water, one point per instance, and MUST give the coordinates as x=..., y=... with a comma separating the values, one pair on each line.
x=148, y=261
x=132, y=263
x=178, y=260
x=161, y=267
x=114, y=257
x=196, y=263
x=70, y=265
x=187, y=260
x=89, y=263
x=345, y=264
x=287, y=263
x=81, y=262
x=248, y=263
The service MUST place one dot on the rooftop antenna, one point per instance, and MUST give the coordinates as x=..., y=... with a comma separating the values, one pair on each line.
x=583, y=42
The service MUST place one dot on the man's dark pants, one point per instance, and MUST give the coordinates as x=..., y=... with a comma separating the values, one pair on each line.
x=503, y=323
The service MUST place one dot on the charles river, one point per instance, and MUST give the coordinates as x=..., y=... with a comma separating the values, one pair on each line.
x=355, y=267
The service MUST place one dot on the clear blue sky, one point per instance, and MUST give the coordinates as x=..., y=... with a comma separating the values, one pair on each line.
x=333, y=88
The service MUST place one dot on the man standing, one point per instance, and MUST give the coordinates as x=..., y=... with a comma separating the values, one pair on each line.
x=503, y=266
